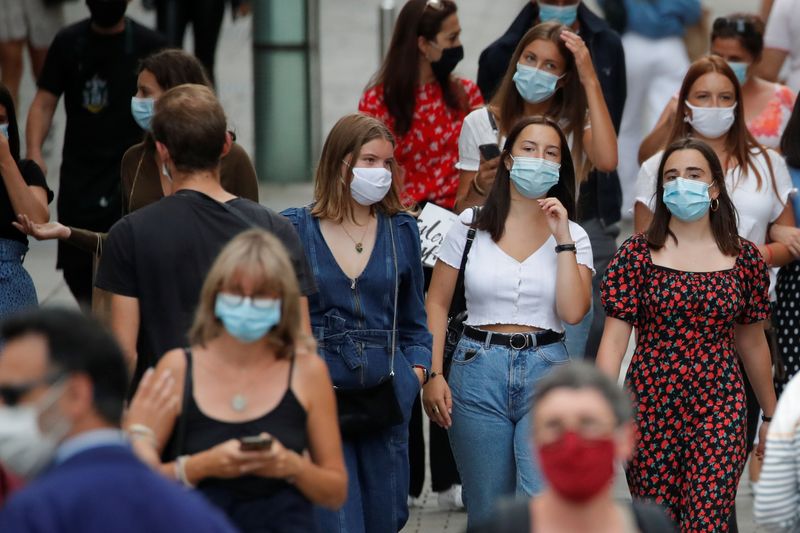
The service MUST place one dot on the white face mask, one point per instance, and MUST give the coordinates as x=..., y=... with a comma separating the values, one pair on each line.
x=711, y=122
x=370, y=184
x=25, y=448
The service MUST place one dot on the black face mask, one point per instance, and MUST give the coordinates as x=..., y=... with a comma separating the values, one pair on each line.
x=107, y=13
x=450, y=58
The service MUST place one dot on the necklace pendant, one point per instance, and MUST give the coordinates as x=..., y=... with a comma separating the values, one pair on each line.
x=359, y=247
x=238, y=403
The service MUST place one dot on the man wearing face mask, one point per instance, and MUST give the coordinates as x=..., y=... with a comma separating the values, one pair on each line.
x=155, y=259
x=93, y=64
x=582, y=429
x=62, y=386
x=600, y=196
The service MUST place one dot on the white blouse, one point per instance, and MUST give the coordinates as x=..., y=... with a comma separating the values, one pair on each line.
x=501, y=290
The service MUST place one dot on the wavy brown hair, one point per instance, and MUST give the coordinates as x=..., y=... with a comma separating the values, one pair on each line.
x=260, y=255
x=399, y=73
x=739, y=142
x=332, y=189
x=723, y=219
x=492, y=217
x=568, y=103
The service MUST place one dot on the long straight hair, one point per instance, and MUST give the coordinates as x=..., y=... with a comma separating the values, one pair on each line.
x=13, y=126
x=790, y=140
x=399, y=73
x=492, y=218
x=568, y=103
x=723, y=219
x=331, y=188
x=739, y=142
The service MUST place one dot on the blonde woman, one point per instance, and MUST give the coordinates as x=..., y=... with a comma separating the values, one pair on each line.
x=256, y=430
x=368, y=315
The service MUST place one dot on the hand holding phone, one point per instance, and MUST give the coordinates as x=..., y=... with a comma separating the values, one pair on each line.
x=489, y=151
x=255, y=443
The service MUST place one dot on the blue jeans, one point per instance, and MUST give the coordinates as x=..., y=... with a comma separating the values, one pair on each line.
x=577, y=335
x=492, y=389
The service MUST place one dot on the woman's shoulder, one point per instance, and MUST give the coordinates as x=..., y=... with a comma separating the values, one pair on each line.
x=785, y=95
x=651, y=163
x=371, y=98
x=749, y=252
x=635, y=245
x=294, y=214
x=474, y=96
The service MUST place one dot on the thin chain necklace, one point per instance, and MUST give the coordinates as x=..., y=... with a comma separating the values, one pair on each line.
x=359, y=244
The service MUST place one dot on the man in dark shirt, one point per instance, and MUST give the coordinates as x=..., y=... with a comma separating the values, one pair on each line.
x=93, y=64
x=600, y=196
x=156, y=259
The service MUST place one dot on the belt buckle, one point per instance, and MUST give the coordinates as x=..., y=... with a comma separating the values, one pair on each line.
x=525, y=340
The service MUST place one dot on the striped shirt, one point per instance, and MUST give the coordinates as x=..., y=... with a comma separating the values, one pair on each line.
x=777, y=503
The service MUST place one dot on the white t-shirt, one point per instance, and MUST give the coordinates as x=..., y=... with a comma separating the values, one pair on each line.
x=501, y=290
x=756, y=208
x=475, y=131
x=783, y=33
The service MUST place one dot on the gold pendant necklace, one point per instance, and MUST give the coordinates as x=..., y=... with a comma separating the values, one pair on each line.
x=359, y=244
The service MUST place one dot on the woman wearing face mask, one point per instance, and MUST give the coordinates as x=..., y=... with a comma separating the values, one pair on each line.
x=582, y=427
x=24, y=191
x=143, y=182
x=739, y=40
x=528, y=272
x=368, y=316
x=416, y=95
x=550, y=74
x=697, y=294
x=256, y=430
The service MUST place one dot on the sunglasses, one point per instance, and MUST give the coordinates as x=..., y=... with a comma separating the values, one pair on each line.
x=12, y=394
x=738, y=25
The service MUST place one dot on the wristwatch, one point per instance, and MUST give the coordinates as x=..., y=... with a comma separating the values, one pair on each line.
x=569, y=247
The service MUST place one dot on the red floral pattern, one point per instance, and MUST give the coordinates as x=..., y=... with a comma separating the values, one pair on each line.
x=429, y=151
x=685, y=376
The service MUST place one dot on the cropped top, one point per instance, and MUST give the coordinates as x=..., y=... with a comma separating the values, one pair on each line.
x=501, y=290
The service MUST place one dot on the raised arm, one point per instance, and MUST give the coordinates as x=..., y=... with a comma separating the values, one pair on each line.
x=40, y=117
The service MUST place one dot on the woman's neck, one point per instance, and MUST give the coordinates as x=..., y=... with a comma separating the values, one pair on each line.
x=691, y=232
x=557, y=514
x=425, y=71
x=718, y=145
x=540, y=108
x=526, y=209
x=232, y=352
x=360, y=215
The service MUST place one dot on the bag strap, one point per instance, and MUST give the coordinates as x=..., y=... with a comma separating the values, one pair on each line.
x=458, y=304
x=396, y=290
x=180, y=426
x=493, y=124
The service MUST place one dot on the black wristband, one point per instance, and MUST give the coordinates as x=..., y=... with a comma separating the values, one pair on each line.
x=425, y=375
x=566, y=248
x=765, y=418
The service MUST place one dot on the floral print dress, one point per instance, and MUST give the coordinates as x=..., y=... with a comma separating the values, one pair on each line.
x=684, y=374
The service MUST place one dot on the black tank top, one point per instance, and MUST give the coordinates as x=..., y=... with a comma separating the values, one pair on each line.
x=253, y=503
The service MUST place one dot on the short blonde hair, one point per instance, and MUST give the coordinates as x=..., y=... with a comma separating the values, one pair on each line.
x=259, y=254
x=331, y=189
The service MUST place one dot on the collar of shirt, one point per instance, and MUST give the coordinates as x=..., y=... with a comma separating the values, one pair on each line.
x=88, y=440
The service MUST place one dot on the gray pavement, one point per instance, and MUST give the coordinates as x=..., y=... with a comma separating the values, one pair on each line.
x=348, y=58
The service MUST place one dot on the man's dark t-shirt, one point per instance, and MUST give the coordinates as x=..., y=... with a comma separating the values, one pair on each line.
x=161, y=254
x=97, y=75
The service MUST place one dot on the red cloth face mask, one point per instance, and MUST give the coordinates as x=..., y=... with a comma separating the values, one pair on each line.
x=578, y=468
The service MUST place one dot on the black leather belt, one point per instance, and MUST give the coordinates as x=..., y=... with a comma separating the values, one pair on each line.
x=518, y=341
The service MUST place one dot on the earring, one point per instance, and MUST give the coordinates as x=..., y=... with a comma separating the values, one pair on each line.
x=714, y=204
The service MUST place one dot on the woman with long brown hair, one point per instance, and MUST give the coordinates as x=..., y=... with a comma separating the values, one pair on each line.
x=416, y=95
x=368, y=315
x=697, y=294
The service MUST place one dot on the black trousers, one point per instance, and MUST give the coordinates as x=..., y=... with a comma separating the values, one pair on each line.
x=205, y=16
x=79, y=280
x=444, y=473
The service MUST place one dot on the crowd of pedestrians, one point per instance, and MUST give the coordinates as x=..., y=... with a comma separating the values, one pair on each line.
x=248, y=370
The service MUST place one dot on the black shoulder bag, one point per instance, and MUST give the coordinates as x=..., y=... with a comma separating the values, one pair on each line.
x=369, y=410
x=458, y=305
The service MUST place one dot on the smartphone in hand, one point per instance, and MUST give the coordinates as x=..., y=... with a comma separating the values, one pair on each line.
x=255, y=443
x=489, y=151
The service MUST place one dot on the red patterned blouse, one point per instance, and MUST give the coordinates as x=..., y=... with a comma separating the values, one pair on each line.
x=429, y=151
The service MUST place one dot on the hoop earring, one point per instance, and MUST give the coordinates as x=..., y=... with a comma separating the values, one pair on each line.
x=714, y=204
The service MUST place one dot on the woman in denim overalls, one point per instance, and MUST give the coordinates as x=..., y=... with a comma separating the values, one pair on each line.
x=354, y=234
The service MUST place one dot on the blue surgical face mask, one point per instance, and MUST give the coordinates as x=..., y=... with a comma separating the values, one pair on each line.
x=566, y=15
x=740, y=69
x=534, y=176
x=687, y=200
x=142, y=110
x=4, y=129
x=247, y=319
x=534, y=85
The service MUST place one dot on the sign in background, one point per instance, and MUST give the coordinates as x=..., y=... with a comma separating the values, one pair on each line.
x=434, y=223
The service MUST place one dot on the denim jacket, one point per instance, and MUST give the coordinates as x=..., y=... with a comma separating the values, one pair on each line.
x=352, y=318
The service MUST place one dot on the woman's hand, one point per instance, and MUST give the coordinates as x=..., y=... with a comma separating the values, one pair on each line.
x=786, y=235
x=228, y=460
x=557, y=220
x=583, y=60
x=762, y=440
x=438, y=402
x=280, y=463
x=154, y=406
x=41, y=232
x=486, y=173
